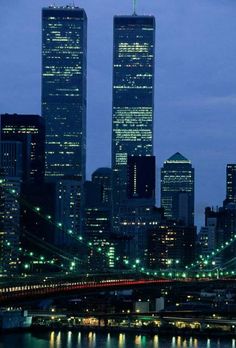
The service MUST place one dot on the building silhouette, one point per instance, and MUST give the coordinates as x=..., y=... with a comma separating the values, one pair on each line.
x=97, y=220
x=30, y=131
x=64, y=71
x=177, y=189
x=133, y=96
x=141, y=177
x=171, y=245
x=231, y=183
x=103, y=178
x=10, y=190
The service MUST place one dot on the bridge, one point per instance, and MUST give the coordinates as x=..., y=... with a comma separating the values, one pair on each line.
x=26, y=291
x=69, y=281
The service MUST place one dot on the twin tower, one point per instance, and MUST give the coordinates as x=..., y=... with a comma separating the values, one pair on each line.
x=64, y=86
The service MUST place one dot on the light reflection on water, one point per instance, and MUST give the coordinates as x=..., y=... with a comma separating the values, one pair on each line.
x=57, y=339
x=156, y=341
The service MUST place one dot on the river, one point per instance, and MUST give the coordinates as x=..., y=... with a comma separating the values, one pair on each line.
x=102, y=340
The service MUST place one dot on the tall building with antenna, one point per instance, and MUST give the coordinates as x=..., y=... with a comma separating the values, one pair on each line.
x=64, y=71
x=133, y=96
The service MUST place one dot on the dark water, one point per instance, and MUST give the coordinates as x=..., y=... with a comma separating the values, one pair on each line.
x=95, y=340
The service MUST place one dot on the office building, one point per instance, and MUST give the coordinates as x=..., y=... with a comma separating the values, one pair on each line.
x=68, y=211
x=30, y=131
x=134, y=224
x=141, y=178
x=64, y=72
x=10, y=189
x=103, y=178
x=133, y=96
x=97, y=221
x=177, y=189
x=171, y=245
x=231, y=183
x=223, y=222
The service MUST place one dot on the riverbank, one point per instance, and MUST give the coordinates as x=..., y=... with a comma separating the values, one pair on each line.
x=162, y=331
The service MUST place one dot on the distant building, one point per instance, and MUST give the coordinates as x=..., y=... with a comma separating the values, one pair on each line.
x=103, y=178
x=64, y=74
x=11, y=159
x=134, y=224
x=10, y=189
x=97, y=221
x=171, y=245
x=177, y=189
x=141, y=307
x=68, y=211
x=30, y=131
x=223, y=220
x=97, y=229
x=231, y=183
x=206, y=240
x=141, y=178
x=133, y=97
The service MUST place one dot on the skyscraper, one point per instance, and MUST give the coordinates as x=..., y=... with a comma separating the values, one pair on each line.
x=231, y=183
x=97, y=220
x=10, y=188
x=171, y=245
x=103, y=178
x=177, y=189
x=141, y=178
x=30, y=131
x=64, y=71
x=133, y=95
x=68, y=210
x=11, y=159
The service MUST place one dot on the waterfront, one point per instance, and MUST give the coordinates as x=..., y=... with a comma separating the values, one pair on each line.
x=59, y=339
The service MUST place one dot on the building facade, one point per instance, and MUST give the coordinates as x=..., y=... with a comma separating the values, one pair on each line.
x=141, y=178
x=30, y=131
x=231, y=183
x=177, y=189
x=97, y=221
x=103, y=178
x=64, y=71
x=68, y=211
x=133, y=96
x=171, y=245
x=10, y=190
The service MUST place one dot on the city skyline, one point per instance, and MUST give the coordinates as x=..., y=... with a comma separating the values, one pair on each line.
x=205, y=129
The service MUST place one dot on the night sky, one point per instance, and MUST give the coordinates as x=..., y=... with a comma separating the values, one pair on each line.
x=195, y=103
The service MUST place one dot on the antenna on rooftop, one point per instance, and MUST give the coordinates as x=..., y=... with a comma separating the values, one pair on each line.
x=134, y=7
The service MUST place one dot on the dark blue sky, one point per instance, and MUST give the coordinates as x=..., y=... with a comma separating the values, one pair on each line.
x=195, y=104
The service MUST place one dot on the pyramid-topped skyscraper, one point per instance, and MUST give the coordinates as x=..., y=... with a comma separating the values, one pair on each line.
x=177, y=189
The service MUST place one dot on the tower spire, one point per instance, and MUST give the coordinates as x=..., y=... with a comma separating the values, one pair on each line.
x=134, y=7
